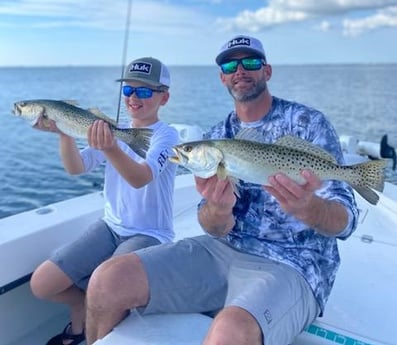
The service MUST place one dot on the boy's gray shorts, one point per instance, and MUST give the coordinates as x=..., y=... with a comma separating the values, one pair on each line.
x=203, y=275
x=79, y=259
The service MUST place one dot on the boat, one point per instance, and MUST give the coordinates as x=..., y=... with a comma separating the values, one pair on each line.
x=360, y=311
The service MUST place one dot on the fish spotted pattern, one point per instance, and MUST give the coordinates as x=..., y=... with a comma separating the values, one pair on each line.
x=254, y=162
x=75, y=121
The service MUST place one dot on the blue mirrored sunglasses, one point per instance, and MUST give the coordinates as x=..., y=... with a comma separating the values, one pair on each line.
x=249, y=64
x=140, y=91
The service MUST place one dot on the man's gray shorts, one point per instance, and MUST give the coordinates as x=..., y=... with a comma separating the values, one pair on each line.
x=79, y=259
x=203, y=274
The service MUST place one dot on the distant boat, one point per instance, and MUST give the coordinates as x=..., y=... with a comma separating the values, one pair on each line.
x=361, y=309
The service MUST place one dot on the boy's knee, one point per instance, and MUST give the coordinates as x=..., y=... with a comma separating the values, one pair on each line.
x=39, y=284
x=36, y=286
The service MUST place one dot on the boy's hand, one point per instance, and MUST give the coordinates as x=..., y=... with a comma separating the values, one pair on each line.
x=46, y=125
x=100, y=136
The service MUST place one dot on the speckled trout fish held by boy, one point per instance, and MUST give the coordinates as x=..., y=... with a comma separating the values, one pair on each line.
x=254, y=162
x=74, y=121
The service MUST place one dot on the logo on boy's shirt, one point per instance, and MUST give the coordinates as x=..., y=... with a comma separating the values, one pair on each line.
x=162, y=159
x=268, y=316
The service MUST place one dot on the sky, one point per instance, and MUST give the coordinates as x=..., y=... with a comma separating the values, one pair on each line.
x=190, y=32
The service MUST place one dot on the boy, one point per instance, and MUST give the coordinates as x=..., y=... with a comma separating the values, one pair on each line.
x=138, y=194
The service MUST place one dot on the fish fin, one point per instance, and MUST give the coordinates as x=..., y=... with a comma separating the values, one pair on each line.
x=222, y=175
x=367, y=193
x=34, y=121
x=371, y=174
x=43, y=116
x=235, y=183
x=221, y=171
x=138, y=139
x=102, y=116
x=71, y=102
x=250, y=134
x=46, y=122
x=297, y=143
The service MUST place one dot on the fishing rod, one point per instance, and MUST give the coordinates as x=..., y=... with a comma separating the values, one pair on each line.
x=124, y=55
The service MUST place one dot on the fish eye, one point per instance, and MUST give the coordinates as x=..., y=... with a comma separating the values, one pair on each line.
x=188, y=148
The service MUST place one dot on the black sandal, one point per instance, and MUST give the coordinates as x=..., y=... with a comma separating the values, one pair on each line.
x=59, y=338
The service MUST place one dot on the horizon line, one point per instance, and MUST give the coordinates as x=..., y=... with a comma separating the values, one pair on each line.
x=199, y=65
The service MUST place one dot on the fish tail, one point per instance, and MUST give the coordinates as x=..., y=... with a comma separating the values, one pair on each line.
x=372, y=173
x=367, y=193
x=370, y=176
x=138, y=139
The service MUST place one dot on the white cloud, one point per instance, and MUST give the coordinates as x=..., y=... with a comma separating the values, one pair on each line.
x=103, y=14
x=260, y=19
x=327, y=7
x=286, y=11
x=43, y=8
x=211, y=2
x=324, y=26
x=172, y=18
x=384, y=18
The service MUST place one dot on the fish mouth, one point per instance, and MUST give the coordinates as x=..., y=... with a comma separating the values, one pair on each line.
x=177, y=158
x=16, y=110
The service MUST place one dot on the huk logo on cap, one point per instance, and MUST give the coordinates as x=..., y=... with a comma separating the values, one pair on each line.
x=142, y=67
x=239, y=41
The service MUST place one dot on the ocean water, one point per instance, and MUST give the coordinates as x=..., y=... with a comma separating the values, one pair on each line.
x=360, y=100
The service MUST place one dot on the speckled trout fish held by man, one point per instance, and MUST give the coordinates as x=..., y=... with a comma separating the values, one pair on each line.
x=254, y=162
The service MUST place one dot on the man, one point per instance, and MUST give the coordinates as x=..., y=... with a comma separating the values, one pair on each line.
x=138, y=195
x=271, y=258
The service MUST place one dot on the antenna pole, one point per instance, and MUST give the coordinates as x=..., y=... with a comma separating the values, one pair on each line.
x=125, y=48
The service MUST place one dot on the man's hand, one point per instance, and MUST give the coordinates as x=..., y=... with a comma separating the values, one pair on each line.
x=296, y=199
x=218, y=193
x=100, y=136
x=216, y=216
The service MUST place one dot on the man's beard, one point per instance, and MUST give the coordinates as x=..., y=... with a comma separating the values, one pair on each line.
x=248, y=95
